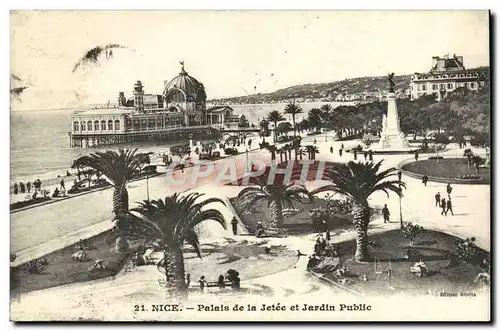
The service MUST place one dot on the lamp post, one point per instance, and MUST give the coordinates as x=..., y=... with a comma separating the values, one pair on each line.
x=247, y=164
x=400, y=198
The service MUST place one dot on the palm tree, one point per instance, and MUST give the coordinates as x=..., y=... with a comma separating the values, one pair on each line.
x=272, y=149
x=275, y=117
x=277, y=196
x=326, y=113
x=312, y=150
x=172, y=220
x=358, y=181
x=293, y=110
x=302, y=152
x=119, y=168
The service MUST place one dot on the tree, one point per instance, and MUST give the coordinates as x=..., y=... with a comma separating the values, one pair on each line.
x=275, y=117
x=243, y=122
x=278, y=196
x=326, y=114
x=272, y=149
x=173, y=221
x=284, y=127
x=302, y=152
x=314, y=118
x=118, y=168
x=293, y=109
x=358, y=181
x=264, y=127
x=312, y=151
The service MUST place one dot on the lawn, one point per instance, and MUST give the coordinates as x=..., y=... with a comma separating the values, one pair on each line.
x=62, y=269
x=446, y=168
x=297, y=220
x=390, y=248
x=248, y=258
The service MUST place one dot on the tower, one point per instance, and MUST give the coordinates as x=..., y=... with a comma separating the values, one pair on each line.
x=121, y=99
x=139, y=97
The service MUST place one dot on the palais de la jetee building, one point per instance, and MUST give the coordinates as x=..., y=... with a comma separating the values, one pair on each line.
x=179, y=114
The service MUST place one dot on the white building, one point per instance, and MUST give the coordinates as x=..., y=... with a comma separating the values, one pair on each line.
x=447, y=74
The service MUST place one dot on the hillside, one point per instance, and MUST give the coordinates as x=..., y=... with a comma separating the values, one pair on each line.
x=361, y=88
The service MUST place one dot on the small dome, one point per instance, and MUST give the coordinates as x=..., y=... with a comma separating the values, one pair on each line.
x=191, y=88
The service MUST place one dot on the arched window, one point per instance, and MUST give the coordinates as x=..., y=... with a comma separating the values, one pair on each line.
x=89, y=126
x=110, y=125
x=117, y=125
x=76, y=126
x=96, y=125
x=82, y=124
x=103, y=125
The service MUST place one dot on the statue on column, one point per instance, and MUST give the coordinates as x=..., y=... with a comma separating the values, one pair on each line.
x=390, y=78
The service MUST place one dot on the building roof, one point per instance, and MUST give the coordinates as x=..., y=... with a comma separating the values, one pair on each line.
x=147, y=99
x=447, y=63
x=187, y=84
x=219, y=109
x=104, y=111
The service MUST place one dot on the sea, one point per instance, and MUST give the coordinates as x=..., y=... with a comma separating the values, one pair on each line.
x=40, y=142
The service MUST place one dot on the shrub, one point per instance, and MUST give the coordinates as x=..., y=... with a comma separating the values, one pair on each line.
x=35, y=267
x=411, y=231
x=466, y=251
x=469, y=177
x=436, y=158
x=230, y=151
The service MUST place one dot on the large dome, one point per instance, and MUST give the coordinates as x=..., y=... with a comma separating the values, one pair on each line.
x=184, y=86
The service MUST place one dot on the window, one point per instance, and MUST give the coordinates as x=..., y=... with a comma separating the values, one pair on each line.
x=96, y=125
x=434, y=87
x=89, y=126
x=76, y=126
x=110, y=125
x=103, y=125
x=82, y=124
x=449, y=86
x=424, y=87
x=472, y=85
x=117, y=125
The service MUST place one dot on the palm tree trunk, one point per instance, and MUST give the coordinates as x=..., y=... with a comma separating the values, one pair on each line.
x=361, y=218
x=275, y=214
x=275, y=130
x=174, y=269
x=294, y=129
x=120, y=208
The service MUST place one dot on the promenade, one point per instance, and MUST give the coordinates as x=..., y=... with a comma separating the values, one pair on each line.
x=94, y=300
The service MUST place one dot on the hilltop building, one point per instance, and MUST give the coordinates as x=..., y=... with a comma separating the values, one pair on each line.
x=179, y=113
x=446, y=74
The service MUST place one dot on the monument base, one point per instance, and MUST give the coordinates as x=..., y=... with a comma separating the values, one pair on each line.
x=391, y=137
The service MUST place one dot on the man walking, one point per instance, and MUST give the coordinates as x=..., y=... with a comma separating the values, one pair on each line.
x=416, y=156
x=386, y=214
x=400, y=174
x=438, y=199
x=370, y=155
x=365, y=154
x=443, y=207
x=331, y=149
x=425, y=179
x=449, y=207
x=355, y=155
x=448, y=190
x=340, y=152
x=234, y=224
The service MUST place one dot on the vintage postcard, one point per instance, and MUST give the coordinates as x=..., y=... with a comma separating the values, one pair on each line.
x=250, y=166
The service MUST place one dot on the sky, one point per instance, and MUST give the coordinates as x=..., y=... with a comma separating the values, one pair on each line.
x=232, y=53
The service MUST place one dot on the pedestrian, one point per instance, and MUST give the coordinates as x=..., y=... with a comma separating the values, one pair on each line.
x=16, y=189
x=437, y=197
x=449, y=207
x=327, y=230
x=234, y=224
x=449, y=189
x=62, y=184
x=221, y=283
x=355, y=155
x=314, y=141
x=68, y=174
x=331, y=150
x=443, y=207
x=22, y=188
x=188, y=280
x=425, y=179
x=340, y=152
x=370, y=155
x=202, y=283
x=28, y=186
x=416, y=155
x=386, y=214
x=365, y=154
x=342, y=146
x=400, y=174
